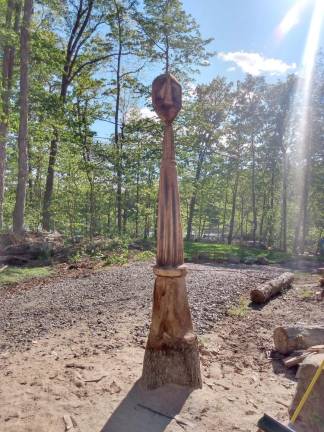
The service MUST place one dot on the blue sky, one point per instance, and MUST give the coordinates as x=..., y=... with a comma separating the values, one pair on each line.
x=246, y=39
x=249, y=26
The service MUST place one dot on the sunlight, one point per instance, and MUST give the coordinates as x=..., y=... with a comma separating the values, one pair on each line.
x=291, y=19
x=301, y=106
x=301, y=103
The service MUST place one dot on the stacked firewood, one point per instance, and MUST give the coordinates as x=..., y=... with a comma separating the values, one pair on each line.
x=298, y=342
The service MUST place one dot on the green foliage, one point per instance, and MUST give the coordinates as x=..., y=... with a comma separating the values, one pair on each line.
x=224, y=252
x=231, y=138
x=144, y=256
x=13, y=275
x=116, y=258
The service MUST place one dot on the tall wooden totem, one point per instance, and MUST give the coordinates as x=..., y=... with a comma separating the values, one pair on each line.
x=171, y=354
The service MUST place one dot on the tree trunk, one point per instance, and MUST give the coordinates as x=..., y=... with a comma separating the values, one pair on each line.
x=7, y=74
x=242, y=219
x=46, y=222
x=225, y=210
x=171, y=354
x=116, y=132
x=263, y=215
x=264, y=292
x=284, y=202
x=232, y=221
x=271, y=209
x=193, y=198
x=137, y=201
x=18, y=215
x=298, y=337
x=254, y=211
x=72, y=49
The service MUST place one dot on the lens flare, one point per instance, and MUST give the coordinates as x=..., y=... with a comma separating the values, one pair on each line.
x=291, y=19
x=301, y=112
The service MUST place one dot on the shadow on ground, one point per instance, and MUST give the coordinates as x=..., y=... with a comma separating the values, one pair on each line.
x=147, y=411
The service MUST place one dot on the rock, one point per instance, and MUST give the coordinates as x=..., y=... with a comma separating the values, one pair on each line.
x=311, y=417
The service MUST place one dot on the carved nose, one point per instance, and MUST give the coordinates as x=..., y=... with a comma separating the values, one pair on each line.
x=166, y=93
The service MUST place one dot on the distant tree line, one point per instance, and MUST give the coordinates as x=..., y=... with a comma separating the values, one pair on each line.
x=66, y=64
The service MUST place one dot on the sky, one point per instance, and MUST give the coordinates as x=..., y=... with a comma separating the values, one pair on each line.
x=260, y=37
x=247, y=36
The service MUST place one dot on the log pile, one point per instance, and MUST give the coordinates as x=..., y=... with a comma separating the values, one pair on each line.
x=29, y=247
x=298, y=343
x=265, y=291
x=296, y=338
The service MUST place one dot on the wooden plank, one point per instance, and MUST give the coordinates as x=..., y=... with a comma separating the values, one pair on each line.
x=295, y=359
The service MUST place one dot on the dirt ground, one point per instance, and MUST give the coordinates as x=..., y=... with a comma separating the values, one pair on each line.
x=71, y=352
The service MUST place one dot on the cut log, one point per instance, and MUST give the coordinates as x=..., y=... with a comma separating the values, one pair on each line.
x=264, y=292
x=300, y=337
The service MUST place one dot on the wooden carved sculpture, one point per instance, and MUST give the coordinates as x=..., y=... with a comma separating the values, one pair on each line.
x=171, y=354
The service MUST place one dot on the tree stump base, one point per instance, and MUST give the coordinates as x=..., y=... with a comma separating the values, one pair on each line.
x=171, y=354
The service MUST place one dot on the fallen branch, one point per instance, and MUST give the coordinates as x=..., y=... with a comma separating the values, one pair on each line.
x=264, y=292
x=95, y=380
x=177, y=418
x=75, y=365
x=3, y=268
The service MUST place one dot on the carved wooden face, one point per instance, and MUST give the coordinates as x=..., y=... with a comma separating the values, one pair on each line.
x=166, y=97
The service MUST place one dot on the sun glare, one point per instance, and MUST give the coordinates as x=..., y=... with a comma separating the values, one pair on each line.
x=291, y=19
x=301, y=106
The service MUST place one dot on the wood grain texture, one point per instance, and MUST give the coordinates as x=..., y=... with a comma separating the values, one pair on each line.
x=171, y=354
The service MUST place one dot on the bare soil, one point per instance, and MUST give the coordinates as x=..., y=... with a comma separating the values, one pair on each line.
x=71, y=350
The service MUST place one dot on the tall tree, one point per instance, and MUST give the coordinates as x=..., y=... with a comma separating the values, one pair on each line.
x=81, y=52
x=18, y=214
x=8, y=59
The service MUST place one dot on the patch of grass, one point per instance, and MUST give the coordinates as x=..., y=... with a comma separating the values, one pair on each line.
x=13, y=275
x=144, y=256
x=116, y=259
x=224, y=252
x=240, y=310
x=203, y=340
x=306, y=293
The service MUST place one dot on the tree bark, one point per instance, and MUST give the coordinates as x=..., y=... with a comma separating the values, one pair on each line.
x=284, y=202
x=225, y=210
x=13, y=8
x=193, y=199
x=264, y=292
x=298, y=337
x=47, y=201
x=254, y=211
x=19, y=211
x=232, y=221
x=171, y=354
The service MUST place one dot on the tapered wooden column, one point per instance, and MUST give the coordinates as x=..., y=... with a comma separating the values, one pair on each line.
x=171, y=354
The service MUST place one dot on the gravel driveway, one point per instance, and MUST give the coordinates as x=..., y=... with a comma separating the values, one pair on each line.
x=106, y=298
